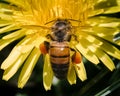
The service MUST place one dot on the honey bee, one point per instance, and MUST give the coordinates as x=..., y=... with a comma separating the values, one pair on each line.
x=59, y=48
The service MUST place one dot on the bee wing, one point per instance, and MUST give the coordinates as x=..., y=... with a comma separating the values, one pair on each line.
x=71, y=77
x=47, y=73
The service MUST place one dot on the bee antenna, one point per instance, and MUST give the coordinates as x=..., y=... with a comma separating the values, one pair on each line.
x=74, y=20
x=65, y=19
x=49, y=22
x=34, y=27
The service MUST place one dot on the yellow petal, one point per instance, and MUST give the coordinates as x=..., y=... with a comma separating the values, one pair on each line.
x=114, y=9
x=9, y=72
x=15, y=34
x=102, y=4
x=17, y=3
x=16, y=52
x=28, y=67
x=103, y=21
x=30, y=43
x=39, y=40
x=26, y=48
x=7, y=40
x=47, y=73
x=101, y=43
x=81, y=72
x=11, y=59
x=117, y=42
x=6, y=17
x=118, y=2
x=100, y=54
x=86, y=36
x=101, y=32
x=107, y=61
x=25, y=41
x=5, y=23
x=4, y=43
x=110, y=49
x=8, y=28
x=87, y=53
x=96, y=12
x=71, y=76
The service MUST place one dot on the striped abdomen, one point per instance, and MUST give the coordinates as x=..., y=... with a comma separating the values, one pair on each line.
x=59, y=58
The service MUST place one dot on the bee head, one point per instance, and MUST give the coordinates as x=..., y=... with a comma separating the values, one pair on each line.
x=61, y=28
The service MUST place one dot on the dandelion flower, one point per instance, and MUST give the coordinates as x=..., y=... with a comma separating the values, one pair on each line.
x=27, y=20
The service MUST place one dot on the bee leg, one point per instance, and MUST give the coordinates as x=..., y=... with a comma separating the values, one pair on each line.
x=50, y=37
x=75, y=37
x=76, y=57
x=68, y=38
x=44, y=47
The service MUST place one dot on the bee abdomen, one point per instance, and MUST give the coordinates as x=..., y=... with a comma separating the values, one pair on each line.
x=60, y=71
x=60, y=59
